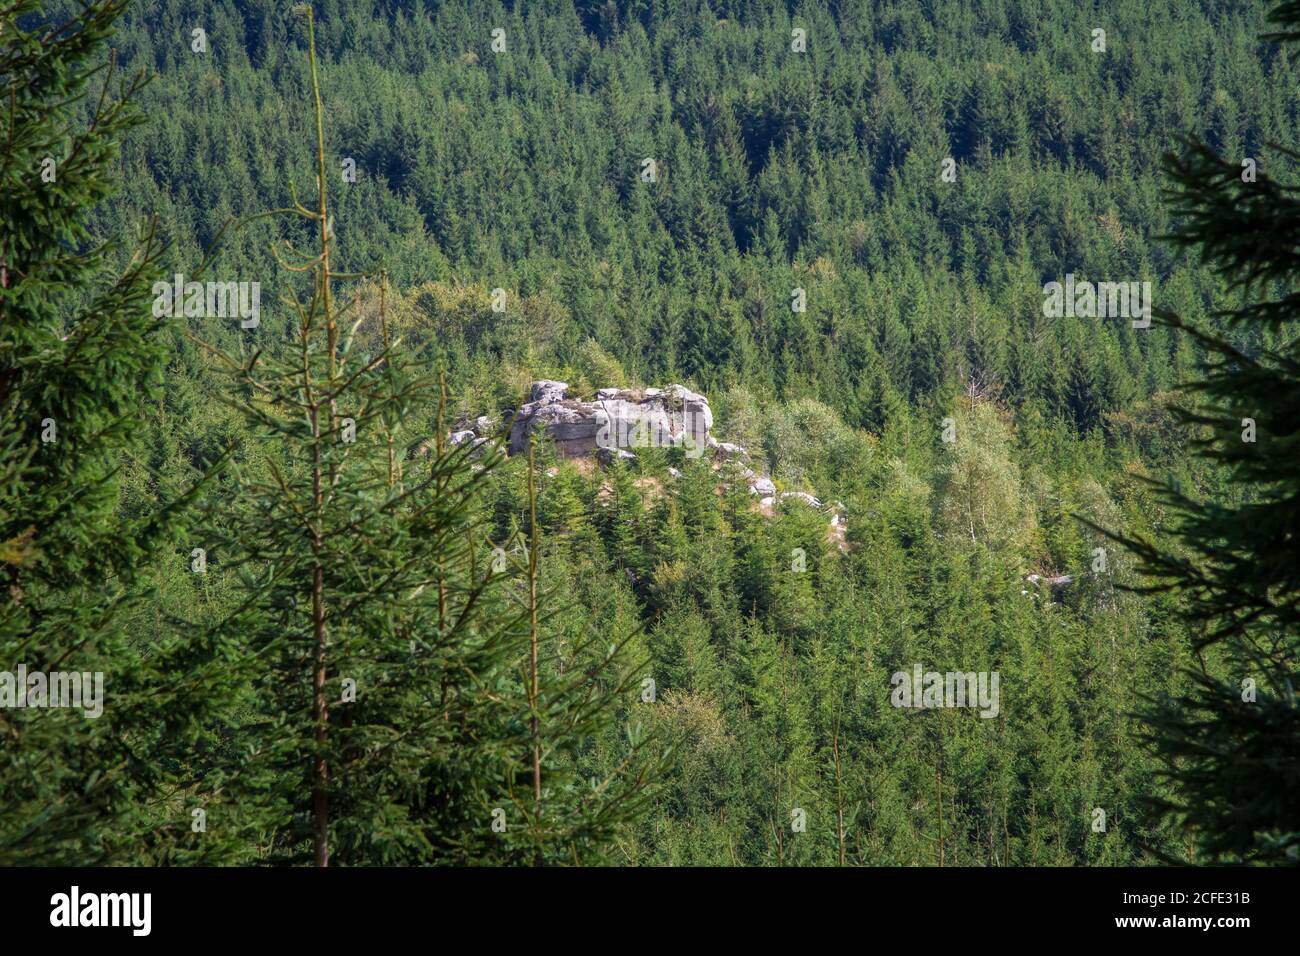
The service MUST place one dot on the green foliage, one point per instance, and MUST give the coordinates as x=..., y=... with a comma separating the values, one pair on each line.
x=768, y=635
x=81, y=361
x=1228, y=745
x=387, y=719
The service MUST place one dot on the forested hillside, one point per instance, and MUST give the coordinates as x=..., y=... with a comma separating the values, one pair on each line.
x=864, y=316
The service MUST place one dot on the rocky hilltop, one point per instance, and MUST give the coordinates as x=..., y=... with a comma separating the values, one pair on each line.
x=616, y=422
x=620, y=420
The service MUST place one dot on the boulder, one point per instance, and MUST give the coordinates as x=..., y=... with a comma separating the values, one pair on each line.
x=1052, y=581
x=546, y=391
x=763, y=487
x=693, y=406
x=571, y=425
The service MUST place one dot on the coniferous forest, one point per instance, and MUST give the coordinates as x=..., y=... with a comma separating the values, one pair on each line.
x=343, y=593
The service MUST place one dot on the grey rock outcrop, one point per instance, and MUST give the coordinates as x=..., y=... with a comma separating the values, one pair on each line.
x=546, y=392
x=1053, y=581
x=618, y=420
x=622, y=419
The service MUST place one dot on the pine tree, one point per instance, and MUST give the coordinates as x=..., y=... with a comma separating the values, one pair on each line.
x=373, y=640
x=590, y=758
x=409, y=708
x=81, y=358
x=1230, y=743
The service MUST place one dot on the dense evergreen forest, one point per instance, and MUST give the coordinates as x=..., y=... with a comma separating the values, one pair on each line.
x=836, y=221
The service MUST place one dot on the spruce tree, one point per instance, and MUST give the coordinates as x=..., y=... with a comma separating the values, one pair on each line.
x=373, y=638
x=591, y=756
x=1230, y=743
x=406, y=705
x=81, y=359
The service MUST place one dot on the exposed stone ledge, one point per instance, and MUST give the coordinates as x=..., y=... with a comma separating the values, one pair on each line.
x=620, y=420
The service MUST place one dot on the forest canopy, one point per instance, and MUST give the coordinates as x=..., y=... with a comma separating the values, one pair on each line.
x=836, y=221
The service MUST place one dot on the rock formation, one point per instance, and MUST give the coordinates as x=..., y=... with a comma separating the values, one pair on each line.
x=620, y=420
x=617, y=421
